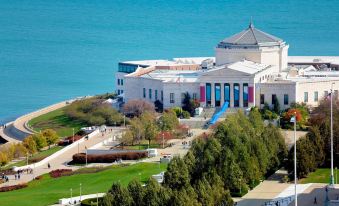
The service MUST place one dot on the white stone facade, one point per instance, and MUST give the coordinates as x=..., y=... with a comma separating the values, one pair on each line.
x=249, y=69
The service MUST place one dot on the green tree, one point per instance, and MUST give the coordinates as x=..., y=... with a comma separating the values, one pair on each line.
x=51, y=136
x=168, y=121
x=136, y=191
x=177, y=174
x=150, y=127
x=276, y=105
x=151, y=195
x=120, y=196
x=39, y=140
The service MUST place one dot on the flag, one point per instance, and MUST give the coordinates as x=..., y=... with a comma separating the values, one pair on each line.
x=292, y=119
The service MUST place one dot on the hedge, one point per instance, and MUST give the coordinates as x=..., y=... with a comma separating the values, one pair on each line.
x=60, y=172
x=80, y=158
x=12, y=187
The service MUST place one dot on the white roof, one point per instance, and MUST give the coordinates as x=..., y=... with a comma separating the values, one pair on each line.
x=313, y=59
x=248, y=66
x=173, y=75
x=153, y=62
x=192, y=60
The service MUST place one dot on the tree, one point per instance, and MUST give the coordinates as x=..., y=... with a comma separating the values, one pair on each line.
x=3, y=158
x=137, y=130
x=177, y=174
x=51, y=136
x=127, y=138
x=151, y=195
x=136, y=191
x=189, y=104
x=150, y=128
x=136, y=107
x=30, y=144
x=168, y=121
x=39, y=140
x=276, y=105
x=119, y=195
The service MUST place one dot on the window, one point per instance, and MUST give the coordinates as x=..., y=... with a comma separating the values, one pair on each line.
x=305, y=96
x=118, y=81
x=121, y=81
x=182, y=96
x=144, y=93
x=217, y=89
x=262, y=99
x=118, y=91
x=227, y=92
x=274, y=99
x=208, y=93
x=156, y=94
x=315, y=96
x=194, y=96
x=162, y=95
x=285, y=99
x=236, y=95
x=150, y=93
x=171, y=97
x=245, y=95
x=121, y=91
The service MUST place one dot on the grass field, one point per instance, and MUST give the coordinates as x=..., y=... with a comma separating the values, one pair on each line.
x=321, y=175
x=58, y=121
x=40, y=155
x=49, y=190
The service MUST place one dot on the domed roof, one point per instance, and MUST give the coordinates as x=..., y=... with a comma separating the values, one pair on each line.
x=251, y=37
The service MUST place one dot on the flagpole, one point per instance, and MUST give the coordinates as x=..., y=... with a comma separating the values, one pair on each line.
x=332, y=173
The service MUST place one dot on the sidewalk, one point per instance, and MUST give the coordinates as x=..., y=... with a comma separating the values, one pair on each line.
x=60, y=162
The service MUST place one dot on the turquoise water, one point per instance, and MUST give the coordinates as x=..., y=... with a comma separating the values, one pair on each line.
x=55, y=50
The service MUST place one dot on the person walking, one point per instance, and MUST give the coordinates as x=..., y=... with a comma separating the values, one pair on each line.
x=15, y=176
x=18, y=176
x=315, y=201
x=49, y=166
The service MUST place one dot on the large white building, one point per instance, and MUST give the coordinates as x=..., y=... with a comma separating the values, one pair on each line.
x=249, y=69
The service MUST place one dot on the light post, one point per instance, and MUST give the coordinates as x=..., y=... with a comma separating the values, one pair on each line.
x=71, y=201
x=294, y=120
x=332, y=176
x=124, y=120
x=80, y=192
x=78, y=148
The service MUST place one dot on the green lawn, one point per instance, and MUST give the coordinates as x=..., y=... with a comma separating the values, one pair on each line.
x=56, y=120
x=321, y=175
x=49, y=190
x=42, y=154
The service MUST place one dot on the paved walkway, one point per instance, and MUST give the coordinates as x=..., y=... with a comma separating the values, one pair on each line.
x=60, y=162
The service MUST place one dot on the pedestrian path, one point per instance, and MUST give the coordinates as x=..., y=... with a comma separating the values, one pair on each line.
x=60, y=161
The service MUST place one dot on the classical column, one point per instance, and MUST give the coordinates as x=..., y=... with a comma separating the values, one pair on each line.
x=231, y=94
x=213, y=94
x=222, y=94
x=241, y=95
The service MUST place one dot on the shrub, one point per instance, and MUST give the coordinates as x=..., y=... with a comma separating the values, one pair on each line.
x=60, y=172
x=136, y=107
x=12, y=187
x=186, y=115
x=92, y=201
x=108, y=158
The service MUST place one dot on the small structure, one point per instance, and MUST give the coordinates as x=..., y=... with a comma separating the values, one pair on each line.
x=166, y=158
x=159, y=177
x=152, y=152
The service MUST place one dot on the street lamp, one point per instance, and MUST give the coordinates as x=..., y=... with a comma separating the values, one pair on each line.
x=163, y=140
x=80, y=192
x=332, y=176
x=71, y=196
x=294, y=120
x=86, y=155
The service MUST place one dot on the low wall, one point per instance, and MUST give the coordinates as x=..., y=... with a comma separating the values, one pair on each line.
x=70, y=201
x=49, y=158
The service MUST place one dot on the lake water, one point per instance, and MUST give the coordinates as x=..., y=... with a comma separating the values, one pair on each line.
x=56, y=50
